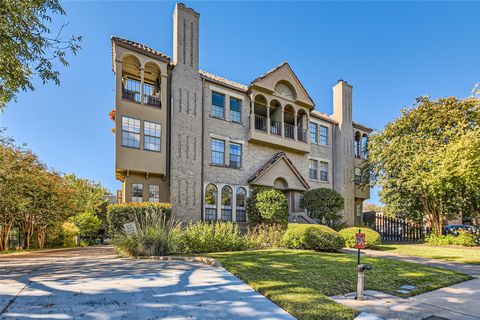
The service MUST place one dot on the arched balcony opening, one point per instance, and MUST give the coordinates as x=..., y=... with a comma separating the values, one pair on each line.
x=365, y=146
x=152, y=85
x=131, y=78
x=275, y=116
x=357, y=145
x=302, y=121
x=289, y=121
x=260, y=113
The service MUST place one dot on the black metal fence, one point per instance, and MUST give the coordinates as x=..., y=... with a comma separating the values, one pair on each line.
x=396, y=230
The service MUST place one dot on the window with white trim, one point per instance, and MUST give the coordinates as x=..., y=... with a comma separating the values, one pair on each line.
x=218, y=105
x=323, y=171
x=130, y=132
x=153, y=193
x=313, y=132
x=152, y=134
x=226, y=213
x=137, y=192
x=241, y=213
x=235, y=110
x=313, y=169
x=235, y=155
x=218, y=152
x=324, y=135
x=211, y=202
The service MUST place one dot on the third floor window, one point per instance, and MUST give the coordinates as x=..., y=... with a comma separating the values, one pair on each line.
x=324, y=135
x=235, y=110
x=313, y=132
x=218, y=105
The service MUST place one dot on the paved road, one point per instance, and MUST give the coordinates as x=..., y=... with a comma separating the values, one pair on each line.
x=471, y=269
x=92, y=283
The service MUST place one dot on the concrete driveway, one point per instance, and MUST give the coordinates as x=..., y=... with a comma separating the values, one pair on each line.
x=92, y=283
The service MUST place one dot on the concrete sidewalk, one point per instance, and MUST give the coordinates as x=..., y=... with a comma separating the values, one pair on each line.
x=92, y=283
x=457, y=302
x=471, y=269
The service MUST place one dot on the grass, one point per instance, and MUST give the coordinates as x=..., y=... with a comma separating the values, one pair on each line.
x=449, y=253
x=301, y=281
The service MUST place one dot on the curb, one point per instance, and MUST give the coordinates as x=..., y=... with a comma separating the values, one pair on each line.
x=208, y=261
x=44, y=250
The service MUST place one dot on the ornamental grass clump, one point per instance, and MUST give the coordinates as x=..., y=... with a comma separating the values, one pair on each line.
x=313, y=237
x=156, y=235
x=219, y=236
x=265, y=236
x=372, y=237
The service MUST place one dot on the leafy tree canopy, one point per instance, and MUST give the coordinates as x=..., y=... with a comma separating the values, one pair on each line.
x=427, y=161
x=323, y=205
x=28, y=46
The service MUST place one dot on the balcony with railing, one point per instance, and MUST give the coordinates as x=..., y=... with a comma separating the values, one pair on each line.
x=278, y=126
x=141, y=85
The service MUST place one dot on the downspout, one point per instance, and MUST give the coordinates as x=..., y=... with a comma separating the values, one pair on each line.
x=202, y=213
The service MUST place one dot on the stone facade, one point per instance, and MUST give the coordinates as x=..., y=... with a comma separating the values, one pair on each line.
x=273, y=131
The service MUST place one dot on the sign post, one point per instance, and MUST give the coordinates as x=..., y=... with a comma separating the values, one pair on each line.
x=359, y=243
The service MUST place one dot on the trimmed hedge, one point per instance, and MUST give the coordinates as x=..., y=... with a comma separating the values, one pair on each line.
x=267, y=205
x=372, y=237
x=463, y=239
x=313, y=237
x=119, y=214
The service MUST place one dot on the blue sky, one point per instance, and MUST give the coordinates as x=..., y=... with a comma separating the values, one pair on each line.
x=391, y=52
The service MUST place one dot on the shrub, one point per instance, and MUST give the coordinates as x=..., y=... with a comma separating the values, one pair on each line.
x=267, y=205
x=372, y=237
x=203, y=237
x=463, y=239
x=265, y=236
x=119, y=214
x=69, y=232
x=312, y=236
x=323, y=205
x=156, y=236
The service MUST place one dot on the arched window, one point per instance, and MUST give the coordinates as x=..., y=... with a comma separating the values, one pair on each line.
x=356, y=145
x=211, y=202
x=364, y=147
x=227, y=203
x=241, y=205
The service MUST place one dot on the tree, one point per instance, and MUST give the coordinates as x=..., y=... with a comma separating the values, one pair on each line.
x=323, y=205
x=87, y=223
x=425, y=161
x=28, y=47
x=267, y=205
x=372, y=207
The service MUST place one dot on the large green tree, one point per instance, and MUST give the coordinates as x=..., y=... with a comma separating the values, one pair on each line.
x=29, y=47
x=427, y=161
x=323, y=205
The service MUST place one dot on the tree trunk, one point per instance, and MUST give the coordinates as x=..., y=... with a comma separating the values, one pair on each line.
x=7, y=222
x=41, y=233
x=27, y=224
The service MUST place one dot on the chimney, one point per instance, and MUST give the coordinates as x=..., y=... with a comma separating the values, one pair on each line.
x=185, y=37
x=342, y=102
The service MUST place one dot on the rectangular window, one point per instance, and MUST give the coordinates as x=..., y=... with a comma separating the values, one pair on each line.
x=235, y=110
x=152, y=134
x=218, y=152
x=324, y=135
x=137, y=192
x=313, y=169
x=235, y=155
x=153, y=193
x=358, y=176
x=313, y=132
x=130, y=132
x=218, y=105
x=131, y=89
x=323, y=171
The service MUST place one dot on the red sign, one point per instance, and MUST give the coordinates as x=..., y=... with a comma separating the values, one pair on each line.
x=359, y=240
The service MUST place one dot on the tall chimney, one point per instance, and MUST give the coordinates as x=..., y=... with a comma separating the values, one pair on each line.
x=185, y=37
x=342, y=102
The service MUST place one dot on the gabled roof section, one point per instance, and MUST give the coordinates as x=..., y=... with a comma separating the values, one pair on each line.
x=275, y=159
x=223, y=81
x=284, y=72
x=138, y=47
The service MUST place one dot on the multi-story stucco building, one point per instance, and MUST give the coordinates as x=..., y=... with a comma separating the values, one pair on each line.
x=201, y=141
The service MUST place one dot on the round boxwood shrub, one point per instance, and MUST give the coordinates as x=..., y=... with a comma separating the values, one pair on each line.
x=267, y=205
x=372, y=237
x=312, y=236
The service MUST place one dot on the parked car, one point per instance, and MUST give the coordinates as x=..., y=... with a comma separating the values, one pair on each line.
x=454, y=229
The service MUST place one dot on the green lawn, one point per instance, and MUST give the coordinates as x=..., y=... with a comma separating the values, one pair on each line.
x=449, y=253
x=301, y=281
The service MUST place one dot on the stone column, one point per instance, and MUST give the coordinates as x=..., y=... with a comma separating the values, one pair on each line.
x=295, y=127
x=268, y=119
x=282, y=129
x=142, y=76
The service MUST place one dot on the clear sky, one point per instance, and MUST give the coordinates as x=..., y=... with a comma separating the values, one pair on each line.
x=391, y=52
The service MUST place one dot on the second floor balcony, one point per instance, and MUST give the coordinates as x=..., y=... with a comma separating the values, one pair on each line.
x=279, y=126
